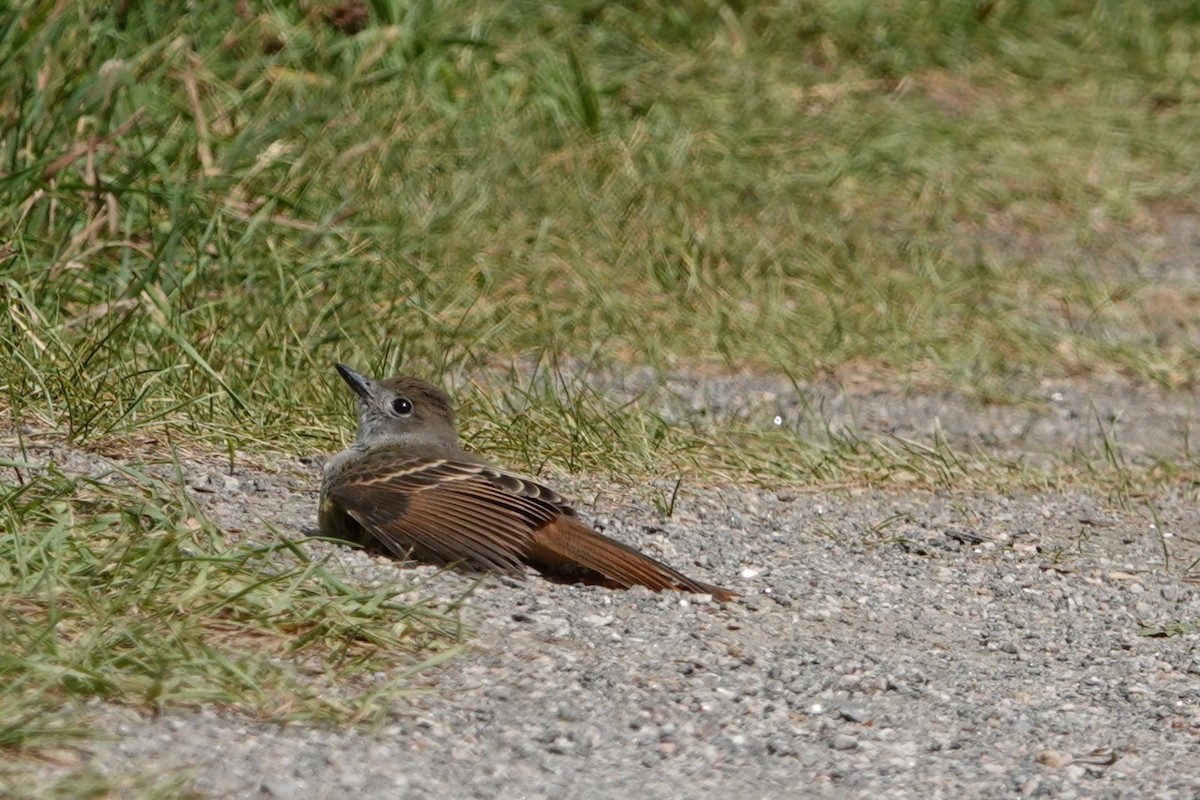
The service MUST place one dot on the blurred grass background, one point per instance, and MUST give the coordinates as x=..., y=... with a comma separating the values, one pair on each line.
x=203, y=208
x=208, y=209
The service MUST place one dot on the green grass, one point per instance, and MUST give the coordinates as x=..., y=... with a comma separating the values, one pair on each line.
x=203, y=212
x=209, y=210
x=115, y=587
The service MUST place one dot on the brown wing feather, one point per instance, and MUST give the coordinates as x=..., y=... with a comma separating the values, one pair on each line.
x=451, y=511
x=443, y=511
x=567, y=542
x=439, y=529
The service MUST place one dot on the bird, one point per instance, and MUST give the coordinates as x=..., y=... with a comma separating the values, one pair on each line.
x=407, y=487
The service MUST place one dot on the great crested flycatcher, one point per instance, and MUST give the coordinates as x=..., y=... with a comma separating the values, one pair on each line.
x=406, y=485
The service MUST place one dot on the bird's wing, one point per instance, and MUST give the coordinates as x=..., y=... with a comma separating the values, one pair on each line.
x=446, y=510
x=453, y=511
x=566, y=546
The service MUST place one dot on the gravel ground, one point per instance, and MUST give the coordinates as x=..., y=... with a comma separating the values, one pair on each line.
x=887, y=645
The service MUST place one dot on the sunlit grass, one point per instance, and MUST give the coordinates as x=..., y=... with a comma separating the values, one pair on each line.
x=211, y=209
x=114, y=587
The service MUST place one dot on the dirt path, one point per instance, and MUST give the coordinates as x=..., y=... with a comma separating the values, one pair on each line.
x=887, y=644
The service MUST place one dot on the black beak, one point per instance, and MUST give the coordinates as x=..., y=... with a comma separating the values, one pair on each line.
x=361, y=384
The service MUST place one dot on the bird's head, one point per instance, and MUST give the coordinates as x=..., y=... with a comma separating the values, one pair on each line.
x=402, y=410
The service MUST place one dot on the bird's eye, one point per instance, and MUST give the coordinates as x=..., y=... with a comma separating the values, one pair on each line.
x=402, y=406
